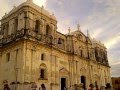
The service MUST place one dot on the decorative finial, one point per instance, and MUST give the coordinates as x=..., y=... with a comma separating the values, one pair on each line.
x=5, y=13
x=42, y=6
x=52, y=14
x=88, y=35
x=78, y=27
x=69, y=30
x=14, y=6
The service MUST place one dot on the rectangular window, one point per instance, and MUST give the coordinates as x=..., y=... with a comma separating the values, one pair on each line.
x=8, y=57
x=42, y=73
x=42, y=56
x=15, y=26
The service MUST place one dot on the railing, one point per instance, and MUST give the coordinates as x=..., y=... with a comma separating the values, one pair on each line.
x=30, y=34
x=12, y=37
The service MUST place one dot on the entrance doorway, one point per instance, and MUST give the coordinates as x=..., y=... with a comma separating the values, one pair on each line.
x=83, y=80
x=63, y=83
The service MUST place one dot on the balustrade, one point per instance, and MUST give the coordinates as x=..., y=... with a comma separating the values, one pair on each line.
x=30, y=34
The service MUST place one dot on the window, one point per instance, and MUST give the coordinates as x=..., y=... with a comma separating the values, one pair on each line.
x=8, y=57
x=42, y=56
x=37, y=26
x=116, y=82
x=7, y=28
x=60, y=41
x=47, y=30
x=80, y=51
x=4, y=30
x=42, y=73
x=16, y=25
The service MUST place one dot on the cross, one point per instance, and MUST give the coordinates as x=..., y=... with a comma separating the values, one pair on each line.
x=69, y=30
x=88, y=33
x=78, y=26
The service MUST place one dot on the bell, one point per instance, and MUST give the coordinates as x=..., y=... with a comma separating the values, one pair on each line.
x=59, y=41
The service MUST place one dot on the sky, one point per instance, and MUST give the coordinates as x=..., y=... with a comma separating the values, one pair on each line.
x=100, y=17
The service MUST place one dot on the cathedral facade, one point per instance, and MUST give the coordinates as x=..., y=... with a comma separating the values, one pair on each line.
x=33, y=51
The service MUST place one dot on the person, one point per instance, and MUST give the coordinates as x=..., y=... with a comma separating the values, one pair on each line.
x=108, y=87
x=91, y=86
x=102, y=88
x=97, y=87
x=81, y=86
x=6, y=87
x=70, y=88
x=65, y=88
x=34, y=86
x=43, y=87
x=75, y=86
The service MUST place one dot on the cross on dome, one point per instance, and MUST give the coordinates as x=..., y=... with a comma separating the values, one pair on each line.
x=88, y=33
x=78, y=27
x=69, y=30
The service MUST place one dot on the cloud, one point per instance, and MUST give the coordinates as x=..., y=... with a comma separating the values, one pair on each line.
x=115, y=70
x=112, y=41
x=67, y=25
x=40, y=2
x=7, y=5
x=98, y=32
x=116, y=63
x=4, y=7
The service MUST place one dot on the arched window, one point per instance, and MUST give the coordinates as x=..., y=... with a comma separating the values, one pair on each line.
x=8, y=57
x=7, y=28
x=16, y=25
x=37, y=26
x=48, y=32
x=4, y=30
x=43, y=87
x=42, y=56
x=60, y=41
x=43, y=71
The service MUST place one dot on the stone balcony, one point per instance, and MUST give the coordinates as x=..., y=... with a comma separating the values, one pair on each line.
x=33, y=36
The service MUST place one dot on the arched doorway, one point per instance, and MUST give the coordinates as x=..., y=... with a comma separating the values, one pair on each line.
x=83, y=80
x=63, y=78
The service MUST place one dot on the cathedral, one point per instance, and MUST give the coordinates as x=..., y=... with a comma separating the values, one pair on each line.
x=34, y=54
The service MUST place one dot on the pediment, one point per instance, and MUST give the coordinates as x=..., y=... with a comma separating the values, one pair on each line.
x=79, y=35
x=83, y=69
x=64, y=70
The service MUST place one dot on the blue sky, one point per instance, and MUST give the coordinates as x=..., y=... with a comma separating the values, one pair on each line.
x=100, y=17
